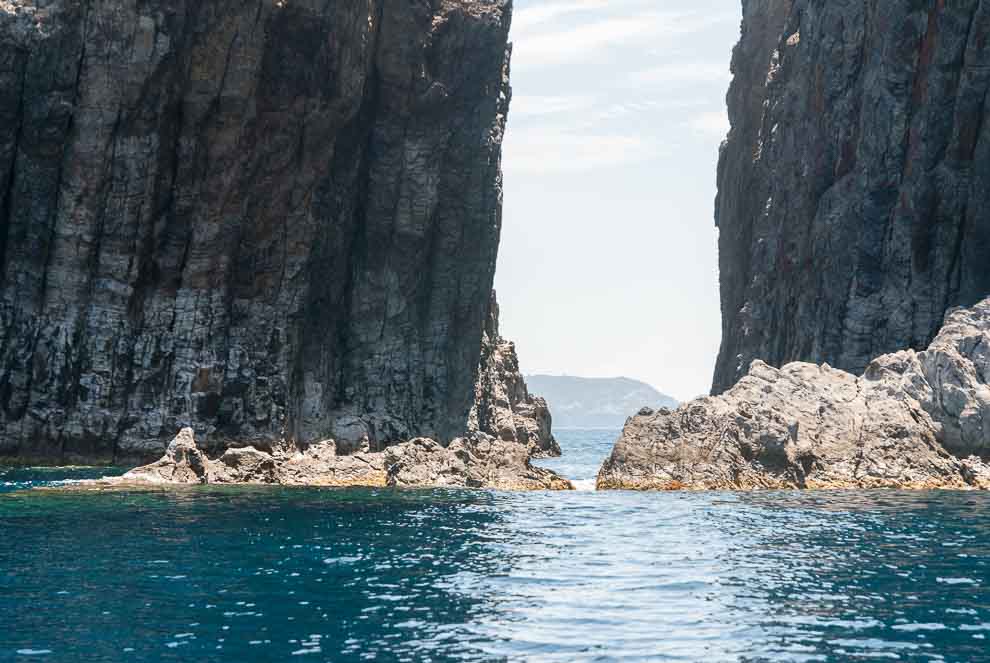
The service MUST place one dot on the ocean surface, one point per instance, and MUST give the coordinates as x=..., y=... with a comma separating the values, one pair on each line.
x=245, y=574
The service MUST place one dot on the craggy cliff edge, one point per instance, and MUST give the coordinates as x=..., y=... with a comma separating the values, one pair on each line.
x=503, y=405
x=275, y=223
x=854, y=188
x=912, y=420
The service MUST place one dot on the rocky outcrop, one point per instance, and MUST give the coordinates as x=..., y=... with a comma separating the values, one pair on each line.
x=854, y=188
x=273, y=222
x=503, y=405
x=478, y=461
x=912, y=420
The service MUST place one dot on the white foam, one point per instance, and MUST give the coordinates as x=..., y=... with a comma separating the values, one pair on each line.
x=584, y=485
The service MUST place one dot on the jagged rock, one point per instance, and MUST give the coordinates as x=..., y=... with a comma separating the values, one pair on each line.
x=854, y=188
x=504, y=407
x=321, y=466
x=183, y=463
x=273, y=222
x=478, y=461
x=912, y=420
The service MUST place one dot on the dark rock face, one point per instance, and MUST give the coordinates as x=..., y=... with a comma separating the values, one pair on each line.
x=854, y=189
x=503, y=405
x=272, y=222
x=913, y=420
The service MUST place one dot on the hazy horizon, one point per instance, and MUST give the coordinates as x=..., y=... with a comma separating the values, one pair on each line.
x=608, y=263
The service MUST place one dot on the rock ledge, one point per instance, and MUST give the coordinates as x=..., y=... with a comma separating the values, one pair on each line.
x=913, y=420
x=478, y=461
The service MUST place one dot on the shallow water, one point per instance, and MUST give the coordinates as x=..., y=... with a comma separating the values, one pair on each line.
x=242, y=574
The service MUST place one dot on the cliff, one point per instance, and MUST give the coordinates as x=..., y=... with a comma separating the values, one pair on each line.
x=272, y=222
x=912, y=421
x=854, y=188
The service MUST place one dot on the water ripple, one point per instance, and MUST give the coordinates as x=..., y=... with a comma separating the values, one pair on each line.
x=240, y=574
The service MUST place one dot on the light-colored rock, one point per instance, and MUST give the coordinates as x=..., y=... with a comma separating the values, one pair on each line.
x=478, y=461
x=913, y=420
x=183, y=462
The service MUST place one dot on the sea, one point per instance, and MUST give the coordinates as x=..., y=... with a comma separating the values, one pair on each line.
x=240, y=574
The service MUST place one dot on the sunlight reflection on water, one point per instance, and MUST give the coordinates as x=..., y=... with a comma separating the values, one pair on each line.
x=240, y=574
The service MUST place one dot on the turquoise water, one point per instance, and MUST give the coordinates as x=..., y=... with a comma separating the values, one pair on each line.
x=239, y=575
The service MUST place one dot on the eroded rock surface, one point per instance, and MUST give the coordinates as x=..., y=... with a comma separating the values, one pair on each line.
x=912, y=420
x=854, y=189
x=273, y=222
x=503, y=405
x=478, y=461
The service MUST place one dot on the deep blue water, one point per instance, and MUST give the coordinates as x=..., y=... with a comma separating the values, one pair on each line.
x=240, y=574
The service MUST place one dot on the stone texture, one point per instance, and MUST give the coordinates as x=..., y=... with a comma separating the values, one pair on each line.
x=854, y=188
x=478, y=461
x=912, y=420
x=503, y=405
x=273, y=222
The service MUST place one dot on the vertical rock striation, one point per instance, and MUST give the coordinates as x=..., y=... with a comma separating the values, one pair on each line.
x=270, y=221
x=854, y=188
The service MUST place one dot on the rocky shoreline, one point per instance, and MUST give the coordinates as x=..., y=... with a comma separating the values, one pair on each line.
x=477, y=461
x=913, y=420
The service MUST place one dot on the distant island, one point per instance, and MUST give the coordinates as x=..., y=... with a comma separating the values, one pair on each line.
x=595, y=402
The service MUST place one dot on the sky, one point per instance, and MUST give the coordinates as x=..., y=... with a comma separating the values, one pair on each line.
x=608, y=264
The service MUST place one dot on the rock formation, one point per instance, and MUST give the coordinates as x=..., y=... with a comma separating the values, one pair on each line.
x=477, y=461
x=273, y=222
x=503, y=405
x=912, y=420
x=854, y=188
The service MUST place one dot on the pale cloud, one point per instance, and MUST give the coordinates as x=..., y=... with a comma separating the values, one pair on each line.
x=524, y=106
x=681, y=72
x=711, y=123
x=536, y=47
x=583, y=41
x=537, y=152
x=593, y=115
x=530, y=17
